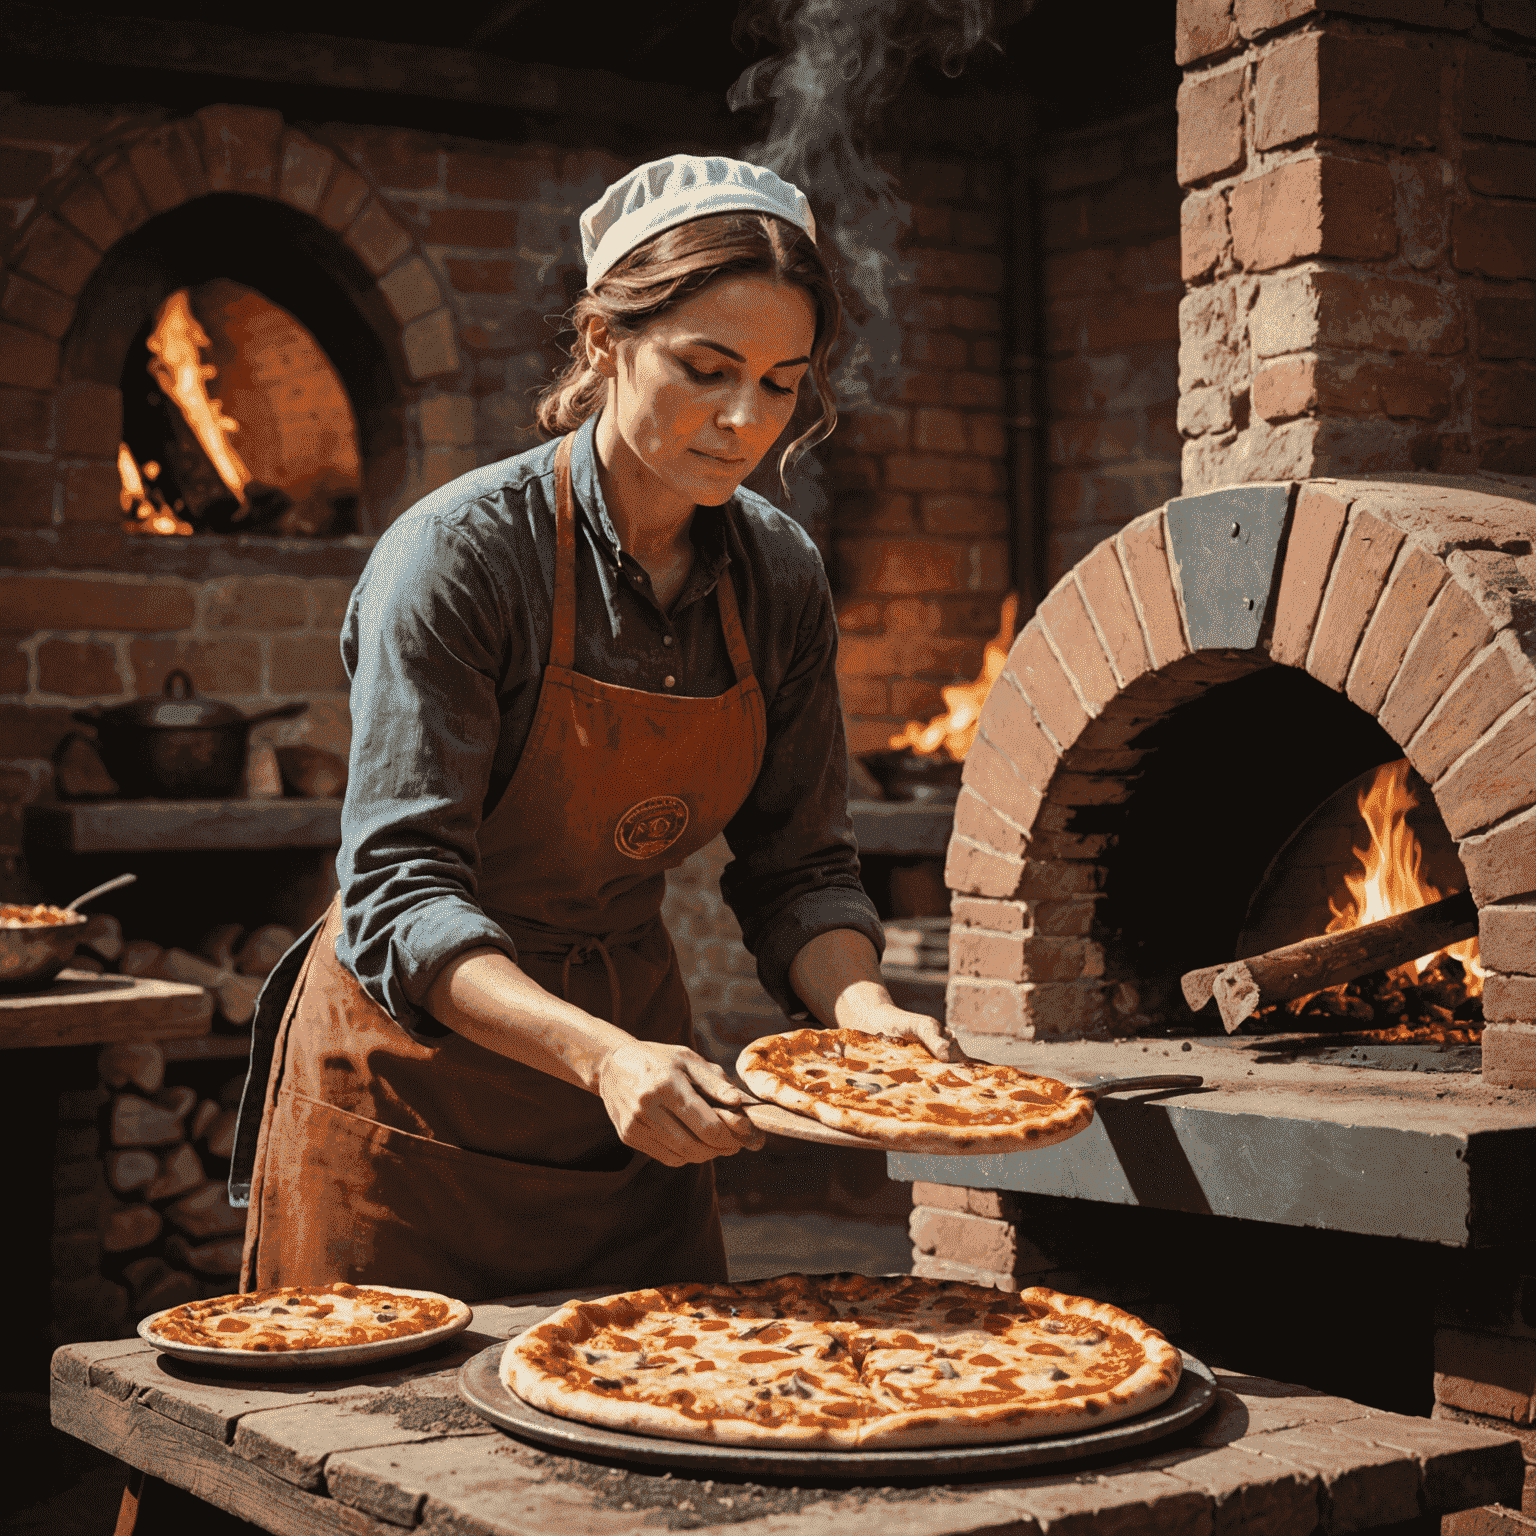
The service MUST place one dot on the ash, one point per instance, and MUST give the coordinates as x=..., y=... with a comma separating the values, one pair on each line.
x=678, y=1502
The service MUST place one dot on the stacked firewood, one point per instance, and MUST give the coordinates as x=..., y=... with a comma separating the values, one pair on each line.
x=142, y=1218
x=168, y=1229
x=230, y=963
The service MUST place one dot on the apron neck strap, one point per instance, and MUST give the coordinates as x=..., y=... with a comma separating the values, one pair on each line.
x=562, y=648
x=730, y=623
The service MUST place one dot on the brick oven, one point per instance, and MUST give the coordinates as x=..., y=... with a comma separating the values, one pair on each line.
x=1347, y=582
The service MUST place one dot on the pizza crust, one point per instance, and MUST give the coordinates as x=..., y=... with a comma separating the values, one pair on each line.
x=895, y=1093
x=301, y=1318
x=842, y=1362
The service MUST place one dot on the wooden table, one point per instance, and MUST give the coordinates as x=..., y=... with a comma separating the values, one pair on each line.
x=80, y=1008
x=396, y=1451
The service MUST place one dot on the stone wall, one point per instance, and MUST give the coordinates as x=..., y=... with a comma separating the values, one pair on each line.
x=1359, y=238
x=1109, y=218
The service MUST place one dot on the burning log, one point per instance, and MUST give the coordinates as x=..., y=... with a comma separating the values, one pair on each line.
x=1242, y=987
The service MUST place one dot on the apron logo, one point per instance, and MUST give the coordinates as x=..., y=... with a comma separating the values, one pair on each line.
x=651, y=827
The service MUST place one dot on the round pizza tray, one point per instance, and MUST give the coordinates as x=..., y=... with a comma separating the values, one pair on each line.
x=329, y=1358
x=481, y=1387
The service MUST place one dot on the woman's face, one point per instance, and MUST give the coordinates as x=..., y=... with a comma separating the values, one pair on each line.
x=702, y=394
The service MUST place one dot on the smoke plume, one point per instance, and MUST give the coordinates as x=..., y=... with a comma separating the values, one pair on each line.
x=838, y=65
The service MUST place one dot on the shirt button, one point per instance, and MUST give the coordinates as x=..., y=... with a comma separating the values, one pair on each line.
x=669, y=682
x=667, y=640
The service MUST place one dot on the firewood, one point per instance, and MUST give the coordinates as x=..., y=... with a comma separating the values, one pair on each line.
x=221, y=1134
x=183, y=965
x=180, y=1100
x=221, y=945
x=135, y=1122
x=174, y=1289
x=139, y=1062
x=207, y=1112
x=237, y=998
x=130, y=1169
x=130, y=1227
x=141, y=1274
x=1242, y=987
x=207, y=1213
x=264, y=949
x=217, y=1258
x=139, y=957
x=181, y=1171
x=104, y=935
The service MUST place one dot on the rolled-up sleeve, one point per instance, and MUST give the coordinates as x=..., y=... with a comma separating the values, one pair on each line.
x=425, y=644
x=795, y=872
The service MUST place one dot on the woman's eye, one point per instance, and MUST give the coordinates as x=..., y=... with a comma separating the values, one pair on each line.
x=699, y=376
x=779, y=389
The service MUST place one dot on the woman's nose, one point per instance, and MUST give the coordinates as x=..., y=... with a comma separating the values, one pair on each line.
x=741, y=411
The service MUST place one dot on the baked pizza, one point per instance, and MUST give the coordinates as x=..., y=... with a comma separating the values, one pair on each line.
x=842, y=1361
x=304, y=1317
x=894, y=1092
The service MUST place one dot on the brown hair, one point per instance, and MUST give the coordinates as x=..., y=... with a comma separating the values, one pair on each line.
x=677, y=265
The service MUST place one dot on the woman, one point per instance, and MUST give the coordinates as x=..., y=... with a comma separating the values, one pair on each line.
x=570, y=671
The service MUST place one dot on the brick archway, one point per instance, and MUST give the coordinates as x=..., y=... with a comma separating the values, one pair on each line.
x=118, y=186
x=1415, y=602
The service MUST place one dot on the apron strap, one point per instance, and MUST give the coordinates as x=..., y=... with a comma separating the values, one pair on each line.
x=562, y=645
x=578, y=954
x=730, y=624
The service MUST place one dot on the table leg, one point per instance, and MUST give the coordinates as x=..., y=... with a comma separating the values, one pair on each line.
x=152, y=1507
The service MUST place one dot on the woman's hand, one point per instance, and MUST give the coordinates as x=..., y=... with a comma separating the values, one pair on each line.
x=899, y=1024
x=657, y=1097
x=838, y=977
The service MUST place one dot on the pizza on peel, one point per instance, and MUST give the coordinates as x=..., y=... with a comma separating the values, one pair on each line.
x=842, y=1362
x=304, y=1317
x=894, y=1092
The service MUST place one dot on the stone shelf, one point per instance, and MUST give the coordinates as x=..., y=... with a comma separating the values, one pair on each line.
x=904, y=828
x=1438, y=1157
x=79, y=1008
x=179, y=826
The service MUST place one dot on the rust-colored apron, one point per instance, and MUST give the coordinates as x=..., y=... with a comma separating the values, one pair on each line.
x=447, y=1167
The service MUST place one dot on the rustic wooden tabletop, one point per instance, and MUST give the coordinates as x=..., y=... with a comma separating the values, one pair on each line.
x=398, y=1450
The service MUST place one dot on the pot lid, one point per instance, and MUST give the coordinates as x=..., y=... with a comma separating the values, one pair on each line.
x=177, y=707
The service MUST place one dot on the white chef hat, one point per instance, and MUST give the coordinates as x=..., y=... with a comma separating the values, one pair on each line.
x=662, y=193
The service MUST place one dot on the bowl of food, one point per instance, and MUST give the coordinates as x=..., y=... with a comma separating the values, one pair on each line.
x=36, y=942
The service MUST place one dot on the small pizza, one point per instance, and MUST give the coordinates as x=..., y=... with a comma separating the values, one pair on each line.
x=894, y=1092
x=842, y=1362
x=304, y=1317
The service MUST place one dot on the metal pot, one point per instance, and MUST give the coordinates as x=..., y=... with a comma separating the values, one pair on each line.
x=906, y=775
x=177, y=746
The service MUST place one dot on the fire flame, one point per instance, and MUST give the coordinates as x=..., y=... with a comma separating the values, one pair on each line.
x=147, y=509
x=1388, y=879
x=955, y=729
x=177, y=367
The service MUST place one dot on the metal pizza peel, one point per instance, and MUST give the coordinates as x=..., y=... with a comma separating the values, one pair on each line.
x=779, y=1121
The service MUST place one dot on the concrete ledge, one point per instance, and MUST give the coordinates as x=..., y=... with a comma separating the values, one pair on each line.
x=1443, y=1158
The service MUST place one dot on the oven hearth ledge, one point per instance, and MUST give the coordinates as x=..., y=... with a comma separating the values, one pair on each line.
x=1442, y=1157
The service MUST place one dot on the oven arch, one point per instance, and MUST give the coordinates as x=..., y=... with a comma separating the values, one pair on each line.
x=1406, y=606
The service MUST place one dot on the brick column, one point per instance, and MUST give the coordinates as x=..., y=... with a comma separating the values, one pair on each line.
x=1485, y=1370
x=1359, y=238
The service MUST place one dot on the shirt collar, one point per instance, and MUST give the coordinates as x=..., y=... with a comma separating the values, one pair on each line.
x=707, y=532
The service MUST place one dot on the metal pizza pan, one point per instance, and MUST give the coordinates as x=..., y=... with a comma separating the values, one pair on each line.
x=481, y=1387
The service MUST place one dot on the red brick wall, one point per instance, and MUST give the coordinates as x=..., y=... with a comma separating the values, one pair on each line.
x=1111, y=290
x=919, y=482
x=1359, y=240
